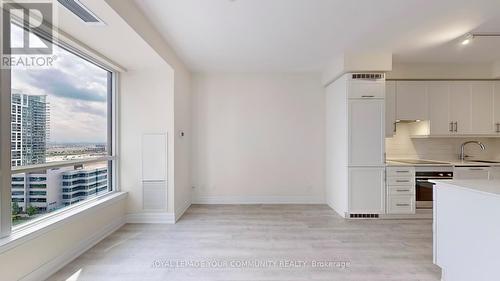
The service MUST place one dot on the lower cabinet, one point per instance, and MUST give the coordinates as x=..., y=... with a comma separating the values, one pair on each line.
x=401, y=204
x=400, y=190
x=495, y=173
x=471, y=173
x=367, y=190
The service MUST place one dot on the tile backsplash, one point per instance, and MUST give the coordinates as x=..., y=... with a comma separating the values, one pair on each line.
x=402, y=146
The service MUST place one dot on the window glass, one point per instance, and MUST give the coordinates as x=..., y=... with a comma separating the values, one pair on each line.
x=58, y=114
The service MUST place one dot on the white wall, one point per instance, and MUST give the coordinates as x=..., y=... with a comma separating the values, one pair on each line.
x=146, y=107
x=182, y=117
x=180, y=154
x=40, y=256
x=336, y=171
x=258, y=138
x=402, y=146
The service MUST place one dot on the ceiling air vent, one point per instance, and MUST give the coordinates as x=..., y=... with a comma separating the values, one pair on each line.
x=82, y=12
x=368, y=76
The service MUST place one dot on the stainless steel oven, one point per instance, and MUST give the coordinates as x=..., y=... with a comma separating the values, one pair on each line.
x=423, y=188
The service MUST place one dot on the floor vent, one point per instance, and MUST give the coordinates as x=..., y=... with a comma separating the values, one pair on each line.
x=363, y=216
x=81, y=11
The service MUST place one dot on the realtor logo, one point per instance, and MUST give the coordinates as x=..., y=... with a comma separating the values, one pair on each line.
x=32, y=17
x=27, y=34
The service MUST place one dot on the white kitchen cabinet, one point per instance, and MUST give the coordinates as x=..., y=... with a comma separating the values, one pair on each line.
x=439, y=107
x=460, y=106
x=482, y=93
x=367, y=190
x=401, y=204
x=411, y=100
x=496, y=105
x=355, y=145
x=471, y=173
x=495, y=173
x=400, y=190
x=390, y=108
x=359, y=89
x=366, y=132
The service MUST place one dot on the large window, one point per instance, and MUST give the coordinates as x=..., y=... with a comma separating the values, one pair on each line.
x=61, y=133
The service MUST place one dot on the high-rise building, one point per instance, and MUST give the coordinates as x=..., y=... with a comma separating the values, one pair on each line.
x=49, y=189
x=29, y=128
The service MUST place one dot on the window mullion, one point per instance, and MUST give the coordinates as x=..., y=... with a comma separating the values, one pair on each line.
x=5, y=146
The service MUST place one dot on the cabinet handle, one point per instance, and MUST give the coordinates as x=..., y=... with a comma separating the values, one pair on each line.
x=476, y=169
x=402, y=205
x=456, y=127
x=367, y=96
x=402, y=190
x=498, y=127
x=451, y=127
x=402, y=181
x=402, y=171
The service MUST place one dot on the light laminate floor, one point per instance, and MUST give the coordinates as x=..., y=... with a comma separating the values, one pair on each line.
x=261, y=242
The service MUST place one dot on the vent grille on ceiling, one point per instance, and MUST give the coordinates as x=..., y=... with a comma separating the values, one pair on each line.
x=77, y=8
x=371, y=76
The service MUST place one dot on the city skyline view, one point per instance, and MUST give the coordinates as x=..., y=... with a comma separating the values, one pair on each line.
x=76, y=92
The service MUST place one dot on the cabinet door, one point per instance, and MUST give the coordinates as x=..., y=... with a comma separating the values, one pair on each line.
x=366, y=190
x=366, y=132
x=390, y=108
x=460, y=106
x=411, y=100
x=482, y=107
x=495, y=173
x=471, y=173
x=496, y=102
x=366, y=89
x=439, y=107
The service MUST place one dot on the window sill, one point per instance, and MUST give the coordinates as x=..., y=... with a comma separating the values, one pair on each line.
x=44, y=225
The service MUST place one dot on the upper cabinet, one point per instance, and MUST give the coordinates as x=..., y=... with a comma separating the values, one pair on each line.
x=453, y=108
x=411, y=100
x=482, y=98
x=460, y=107
x=439, y=108
x=496, y=107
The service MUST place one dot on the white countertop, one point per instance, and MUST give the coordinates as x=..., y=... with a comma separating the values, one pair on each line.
x=490, y=187
x=395, y=162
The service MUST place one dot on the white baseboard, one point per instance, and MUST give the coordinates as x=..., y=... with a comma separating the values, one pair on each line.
x=259, y=200
x=178, y=214
x=337, y=210
x=51, y=267
x=151, y=217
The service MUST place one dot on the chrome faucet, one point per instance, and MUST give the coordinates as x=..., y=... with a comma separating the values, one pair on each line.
x=462, y=154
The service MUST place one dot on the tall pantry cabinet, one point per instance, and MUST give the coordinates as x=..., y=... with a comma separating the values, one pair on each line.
x=355, y=145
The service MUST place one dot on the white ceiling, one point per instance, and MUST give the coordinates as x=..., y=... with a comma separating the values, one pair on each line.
x=116, y=40
x=302, y=35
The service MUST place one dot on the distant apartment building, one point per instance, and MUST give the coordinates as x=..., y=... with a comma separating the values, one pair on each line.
x=77, y=185
x=55, y=188
x=29, y=128
x=40, y=190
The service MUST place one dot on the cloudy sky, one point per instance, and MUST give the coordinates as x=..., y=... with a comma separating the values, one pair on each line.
x=76, y=91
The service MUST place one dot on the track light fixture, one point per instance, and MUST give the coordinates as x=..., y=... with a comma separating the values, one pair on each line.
x=471, y=36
